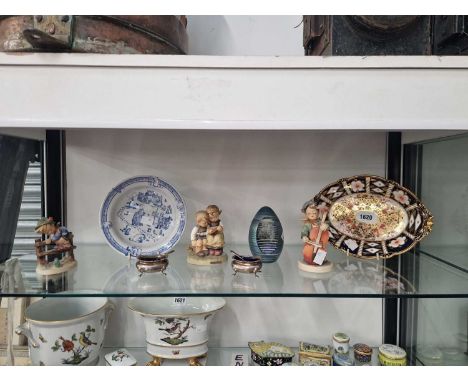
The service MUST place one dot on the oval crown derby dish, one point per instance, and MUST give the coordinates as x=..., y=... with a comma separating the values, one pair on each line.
x=373, y=217
x=143, y=216
x=66, y=331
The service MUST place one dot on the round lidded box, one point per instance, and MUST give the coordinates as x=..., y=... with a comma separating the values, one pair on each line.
x=341, y=343
x=392, y=355
x=362, y=353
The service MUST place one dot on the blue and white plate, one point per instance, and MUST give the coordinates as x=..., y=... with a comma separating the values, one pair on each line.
x=143, y=216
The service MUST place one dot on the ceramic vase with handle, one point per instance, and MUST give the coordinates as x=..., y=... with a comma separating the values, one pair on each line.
x=66, y=331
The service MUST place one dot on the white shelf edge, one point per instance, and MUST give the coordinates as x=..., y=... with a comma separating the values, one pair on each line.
x=233, y=62
x=241, y=125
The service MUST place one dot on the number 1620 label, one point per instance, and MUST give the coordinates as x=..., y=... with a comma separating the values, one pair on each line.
x=367, y=217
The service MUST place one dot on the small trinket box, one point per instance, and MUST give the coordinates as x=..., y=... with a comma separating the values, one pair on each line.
x=362, y=353
x=270, y=353
x=120, y=357
x=341, y=343
x=340, y=359
x=317, y=355
x=392, y=355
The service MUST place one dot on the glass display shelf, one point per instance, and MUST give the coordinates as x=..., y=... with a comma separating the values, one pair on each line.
x=456, y=255
x=216, y=357
x=441, y=357
x=223, y=356
x=101, y=270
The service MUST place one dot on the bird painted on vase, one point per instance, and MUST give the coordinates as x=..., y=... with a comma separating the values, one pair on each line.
x=174, y=328
x=85, y=341
x=67, y=345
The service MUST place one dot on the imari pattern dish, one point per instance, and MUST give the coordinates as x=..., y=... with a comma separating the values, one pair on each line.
x=144, y=216
x=373, y=217
x=270, y=353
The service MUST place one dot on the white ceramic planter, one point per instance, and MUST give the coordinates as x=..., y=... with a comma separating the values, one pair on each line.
x=66, y=331
x=177, y=327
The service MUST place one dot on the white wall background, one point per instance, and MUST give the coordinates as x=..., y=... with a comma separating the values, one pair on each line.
x=245, y=35
x=240, y=171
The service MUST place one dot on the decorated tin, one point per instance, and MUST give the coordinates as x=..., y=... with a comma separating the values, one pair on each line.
x=266, y=235
x=340, y=359
x=341, y=343
x=270, y=353
x=120, y=357
x=362, y=353
x=392, y=355
x=318, y=354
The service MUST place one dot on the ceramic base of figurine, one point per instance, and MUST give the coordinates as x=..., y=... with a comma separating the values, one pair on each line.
x=51, y=269
x=327, y=266
x=316, y=276
x=193, y=361
x=206, y=260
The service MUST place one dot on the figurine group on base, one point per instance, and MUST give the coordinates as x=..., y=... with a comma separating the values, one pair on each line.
x=59, y=257
x=315, y=236
x=207, y=238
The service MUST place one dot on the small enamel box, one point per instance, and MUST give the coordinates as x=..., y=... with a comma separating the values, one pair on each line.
x=120, y=357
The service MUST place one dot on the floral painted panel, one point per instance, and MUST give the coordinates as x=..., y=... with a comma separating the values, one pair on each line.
x=76, y=348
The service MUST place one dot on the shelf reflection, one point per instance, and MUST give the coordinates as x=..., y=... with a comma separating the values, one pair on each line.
x=101, y=268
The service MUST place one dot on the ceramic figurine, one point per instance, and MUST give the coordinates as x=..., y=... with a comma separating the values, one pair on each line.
x=60, y=258
x=315, y=237
x=199, y=232
x=266, y=235
x=207, y=238
x=215, y=233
